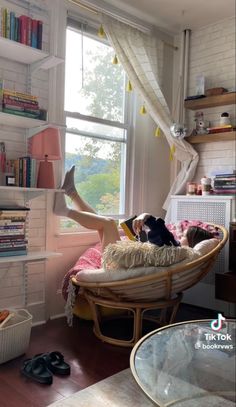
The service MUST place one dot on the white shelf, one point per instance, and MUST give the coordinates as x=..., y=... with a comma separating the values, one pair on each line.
x=16, y=51
x=30, y=257
x=24, y=189
x=20, y=121
x=31, y=192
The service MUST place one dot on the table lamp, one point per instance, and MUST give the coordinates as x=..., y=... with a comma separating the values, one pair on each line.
x=45, y=146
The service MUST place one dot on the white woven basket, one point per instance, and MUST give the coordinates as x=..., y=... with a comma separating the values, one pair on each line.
x=15, y=335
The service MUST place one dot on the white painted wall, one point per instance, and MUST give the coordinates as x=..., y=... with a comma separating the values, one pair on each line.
x=212, y=54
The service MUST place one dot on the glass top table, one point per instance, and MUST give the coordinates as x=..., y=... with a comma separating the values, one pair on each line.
x=187, y=364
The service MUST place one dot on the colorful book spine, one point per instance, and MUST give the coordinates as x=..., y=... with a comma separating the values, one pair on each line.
x=23, y=29
x=29, y=29
x=40, y=34
x=225, y=191
x=4, y=21
x=1, y=94
x=20, y=113
x=8, y=24
x=34, y=34
x=12, y=25
x=13, y=253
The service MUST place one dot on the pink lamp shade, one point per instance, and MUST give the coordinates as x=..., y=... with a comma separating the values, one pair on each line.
x=46, y=146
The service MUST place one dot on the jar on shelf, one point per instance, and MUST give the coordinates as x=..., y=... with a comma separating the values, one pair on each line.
x=206, y=185
x=191, y=188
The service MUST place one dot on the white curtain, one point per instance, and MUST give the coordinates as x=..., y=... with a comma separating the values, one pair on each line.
x=141, y=56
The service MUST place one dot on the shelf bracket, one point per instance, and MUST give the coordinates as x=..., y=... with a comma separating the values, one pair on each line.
x=46, y=63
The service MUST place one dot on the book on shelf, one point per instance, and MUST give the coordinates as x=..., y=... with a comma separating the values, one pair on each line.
x=12, y=25
x=1, y=94
x=20, y=95
x=12, y=227
x=19, y=113
x=128, y=229
x=220, y=129
x=226, y=175
x=9, y=212
x=226, y=185
x=40, y=34
x=12, y=248
x=13, y=253
x=12, y=237
x=224, y=191
x=15, y=208
x=23, y=29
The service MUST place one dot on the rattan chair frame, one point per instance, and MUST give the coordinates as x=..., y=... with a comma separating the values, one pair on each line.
x=160, y=291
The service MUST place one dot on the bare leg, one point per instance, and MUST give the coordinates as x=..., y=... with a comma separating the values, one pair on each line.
x=70, y=190
x=106, y=227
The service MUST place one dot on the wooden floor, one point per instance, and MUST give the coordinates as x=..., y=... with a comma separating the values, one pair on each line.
x=90, y=361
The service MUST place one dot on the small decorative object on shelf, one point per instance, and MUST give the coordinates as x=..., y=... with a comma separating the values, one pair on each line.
x=206, y=185
x=215, y=91
x=201, y=124
x=200, y=85
x=45, y=146
x=191, y=188
x=179, y=131
x=224, y=119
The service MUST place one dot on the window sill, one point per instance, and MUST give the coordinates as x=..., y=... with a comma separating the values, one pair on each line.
x=76, y=239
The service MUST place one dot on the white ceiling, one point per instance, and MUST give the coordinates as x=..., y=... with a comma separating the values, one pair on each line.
x=176, y=15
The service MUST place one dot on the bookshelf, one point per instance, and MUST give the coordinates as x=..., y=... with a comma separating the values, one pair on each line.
x=30, y=192
x=210, y=138
x=8, y=119
x=36, y=58
x=15, y=51
x=30, y=257
x=211, y=101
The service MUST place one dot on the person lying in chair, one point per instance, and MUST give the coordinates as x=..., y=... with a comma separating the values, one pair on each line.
x=157, y=233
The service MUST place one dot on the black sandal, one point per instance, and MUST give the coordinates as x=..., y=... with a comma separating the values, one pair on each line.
x=37, y=369
x=55, y=362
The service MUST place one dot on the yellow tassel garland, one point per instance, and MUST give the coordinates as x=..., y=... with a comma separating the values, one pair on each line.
x=115, y=60
x=143, y=110
x=101, y=32
x=129, y=87
x=172, y=152
x=158, y=132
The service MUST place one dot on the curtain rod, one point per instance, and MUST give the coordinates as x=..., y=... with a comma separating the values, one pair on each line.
x=96, y=10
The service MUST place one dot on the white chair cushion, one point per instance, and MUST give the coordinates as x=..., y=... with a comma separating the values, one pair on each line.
x=102, y=275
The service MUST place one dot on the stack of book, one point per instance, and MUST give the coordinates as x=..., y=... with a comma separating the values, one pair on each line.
x=23, y=29
x=225, y=184
x=22, y=104
x=13, y=240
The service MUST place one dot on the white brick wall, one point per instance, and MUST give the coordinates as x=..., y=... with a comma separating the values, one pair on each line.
x=212, y=54
x=15, y=283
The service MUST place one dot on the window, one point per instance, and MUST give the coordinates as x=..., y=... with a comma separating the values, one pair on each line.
x=97, y=121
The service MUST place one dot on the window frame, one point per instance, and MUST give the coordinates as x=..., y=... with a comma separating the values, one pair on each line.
x=126, y=125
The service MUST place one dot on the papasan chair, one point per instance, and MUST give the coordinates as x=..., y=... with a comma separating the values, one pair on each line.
x=139, y=289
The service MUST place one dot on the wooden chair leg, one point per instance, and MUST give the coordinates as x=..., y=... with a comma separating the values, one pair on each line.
x=137, y=324
x=175, y=309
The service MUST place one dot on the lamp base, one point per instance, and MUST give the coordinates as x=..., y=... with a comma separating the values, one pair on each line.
x=45, y=175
